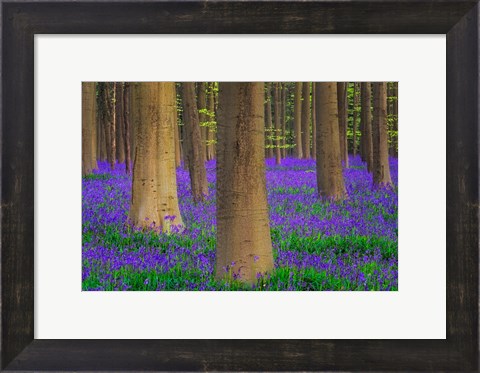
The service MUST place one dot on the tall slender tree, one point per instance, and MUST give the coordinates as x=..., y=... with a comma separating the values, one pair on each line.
x=342, y=120
x=202, y=107
x=107, y=94
x=126, y=128
x=284, y=118
x=211, y=134
x=154, y=185
x=355, y=105
x=314, y=122
x=381, y=167
x=195, y=147
x=395, y=119
x=119, y=126
x=268, y=121
x=244, y=246
x=297, y=116
x=367, y=124
x=306, y=120
x=89, y=128
x=330, y=181
x=278, y=126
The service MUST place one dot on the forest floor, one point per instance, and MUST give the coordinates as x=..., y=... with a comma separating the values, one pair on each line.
x=318, y=245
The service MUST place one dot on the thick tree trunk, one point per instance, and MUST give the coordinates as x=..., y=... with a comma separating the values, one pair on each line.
x=355, y=104
x=297, y=114
x=278, y=126
x=89, y=126
x=381, y=167
x=269, y=125
x=342, y=120
x=120, y=149
x=306, y=120
x=244, y=246
x=330, y=181
x=195, y=147
x=367, y=125
x=126, y=128
x=154, y=185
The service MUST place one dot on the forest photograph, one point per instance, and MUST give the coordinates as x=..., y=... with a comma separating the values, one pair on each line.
x=239, y=186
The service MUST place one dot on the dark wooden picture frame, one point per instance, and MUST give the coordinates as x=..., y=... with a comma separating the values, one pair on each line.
x=21, y=20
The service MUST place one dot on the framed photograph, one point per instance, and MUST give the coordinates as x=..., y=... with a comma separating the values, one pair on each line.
x=83, y=101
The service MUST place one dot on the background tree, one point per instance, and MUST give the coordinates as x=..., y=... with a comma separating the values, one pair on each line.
x=381, y=168
x=354, y=119
x=211, y=132
x=278, y=126
x=298, y=120
x=154, y=184
x=243, y=228
x=268, y=121
x=195, y=147
x=283, y=112
x=330, y=181
x=202, y=111
x=367, y=124
x=392, y=118
x=306, y=120
x=342, y=120
x=314, y=123
x=126, y=122
x=101, y=141
x=107, y=117
x=119, y=125
x=89, y=129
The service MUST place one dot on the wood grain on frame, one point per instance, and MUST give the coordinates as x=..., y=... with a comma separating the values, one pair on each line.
x=21, y=20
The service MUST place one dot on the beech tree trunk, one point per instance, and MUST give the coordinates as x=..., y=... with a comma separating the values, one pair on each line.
x=134, y=118
x=306, y=120
x=297, y=108
x=367, y=125
x=178, y=156
x=355, y=104
x=89, y=127
x=195, y=147
x=101, y=145
x=381, y=167
x=211, y=134
x=395, y=119
x=154, y=185
x=202, y=106
x=314, y=122
x=108, y=114
x=269, y=125
x=104, y=99
x=342, y=120
x=126, y=128
x=278, y=126
x=119, y=125
x=330, y=181
x=284, y=119
x=244, y=246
